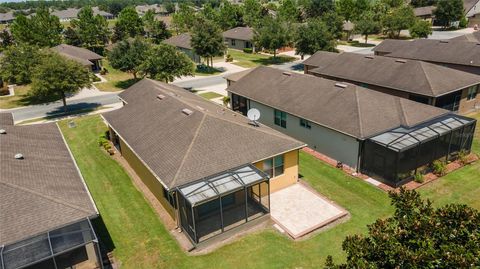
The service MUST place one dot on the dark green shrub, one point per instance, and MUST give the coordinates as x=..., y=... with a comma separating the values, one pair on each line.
x=439, y=167
x=462, y=157
x=418, y=177
x=229, y=58
x=463, y=22
x=248, y=50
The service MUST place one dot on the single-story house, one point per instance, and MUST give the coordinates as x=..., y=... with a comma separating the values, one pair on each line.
x=183, y=43
x=425, y=13
x=84, y=56
x=348, y=28
x=46, y=208
x=7, y=17
x=471, y=9
x=239, y=38
x=72, y=13
x=463, y=56
x=380, y=135
x=419, y=81
x=211, y=169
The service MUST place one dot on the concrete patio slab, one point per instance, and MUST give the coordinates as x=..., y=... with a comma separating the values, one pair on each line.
x=299, y=210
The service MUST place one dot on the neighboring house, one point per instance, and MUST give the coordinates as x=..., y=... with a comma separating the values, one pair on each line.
x=83, y=56
x=463, y=56
x=6, y=17
x=348, y=28
x=72, y=13
x=46, y=210
x=425, y=13
x=239, y=38
x=156, y=8
x=211, y=169
x=419, y=81
x=183, y=43
x=380, y=135
x=471, y=10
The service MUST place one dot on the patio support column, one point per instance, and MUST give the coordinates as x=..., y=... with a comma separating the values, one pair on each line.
x=268, y=186
x=221, y=213
x=99, y=253
x=246, y=204
x=194, y=227
x=260, y=193
x=450, y=144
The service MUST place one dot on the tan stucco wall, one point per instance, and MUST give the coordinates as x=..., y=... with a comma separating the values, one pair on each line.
x=146, y=176
x=290, y=175
x=467, y=106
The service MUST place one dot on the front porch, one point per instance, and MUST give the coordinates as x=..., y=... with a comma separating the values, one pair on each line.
x=220, y=203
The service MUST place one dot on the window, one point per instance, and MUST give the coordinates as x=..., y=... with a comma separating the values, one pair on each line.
x=280, y=118
x=232, y=42
x=305, y=123
x=274, y=167
x=472, y=92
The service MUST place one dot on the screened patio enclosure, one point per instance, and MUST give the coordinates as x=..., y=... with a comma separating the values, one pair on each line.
x=219, y=203
x=65, y=247
x=395, y=156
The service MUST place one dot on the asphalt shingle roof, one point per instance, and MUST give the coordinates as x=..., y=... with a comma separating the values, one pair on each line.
x=180, y=148
x=43, y=191
x=81, y=55
x=411, y=76
x=344, y=107
x=181, y=41
x=240, y=33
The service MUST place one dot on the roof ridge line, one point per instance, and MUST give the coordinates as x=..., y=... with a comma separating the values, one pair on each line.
x=357, y=100
x=422, y=66
x=402, y=111
x=188, y=150
x=58, y=201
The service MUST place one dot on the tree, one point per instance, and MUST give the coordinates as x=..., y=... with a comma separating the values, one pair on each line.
x=421, y=29
x=164, y=62
x=334, y=23
x=347, y=9
x=169, y=6
x=207, y=40
x=288, y=11
x=92, y=31
x=41, y=29
x=252, y=12
x=71, y=37
x=155, y=30
x=417, y=236
x=316, y=8
x=448, y=11
x=423, y=3
x=57, y=76
x=184, y=18
x=128, y=24
x=394, y=3
x=366, y=26
x=272, y=35
x=312, y=37
x=18, y=62
x=229, y=16
x=128, y=55
x=398, y=19
x=6, y=39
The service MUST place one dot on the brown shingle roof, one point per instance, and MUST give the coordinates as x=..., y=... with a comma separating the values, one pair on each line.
x=390, y=45
x=6, y=119
x=240, y=33
x=238, y=75
x=351, y=110
x=81, y=55
x=321, y=59
x=411, y=76
x=43, y=191
x=472, y=37
x=180, y=148
x=439, y=51
x=423, y=11
x=181, y=41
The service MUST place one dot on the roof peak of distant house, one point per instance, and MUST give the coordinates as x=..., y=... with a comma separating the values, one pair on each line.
x=239, y=33
x=182, y=137
x=424, y=78
x=81, y=55
x=41, y=187
x=343, y=107
x=181, y=40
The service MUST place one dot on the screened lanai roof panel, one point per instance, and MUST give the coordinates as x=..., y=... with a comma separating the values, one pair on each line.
x=401, y=138
x=226, y=182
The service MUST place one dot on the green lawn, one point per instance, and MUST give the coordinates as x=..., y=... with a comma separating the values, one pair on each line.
x=116, y=80
x=249, y=60
x=141, y=241
x=21, y=98
x=210, y=95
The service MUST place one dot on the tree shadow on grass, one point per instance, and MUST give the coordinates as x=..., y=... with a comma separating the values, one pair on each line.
x=126, y=83
x=274, y=60
x=30, y=99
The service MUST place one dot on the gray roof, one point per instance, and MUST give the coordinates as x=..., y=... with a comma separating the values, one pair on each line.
x=390, y=45
x=6, y=119
x=240, y=33
x=180, y=148
x=238, y=75
x=72, y=13
x=439, y=51
x=411, y=76
x=472, y=37
x=424, y=11
x=180, y=41
x=6, y=17
x=318, y=59
x=468, y=5
x=81, y=55
x=348, y=26
x=343, y=107
x=43, y=191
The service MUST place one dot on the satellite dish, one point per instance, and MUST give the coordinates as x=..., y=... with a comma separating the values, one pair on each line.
x=253, y=114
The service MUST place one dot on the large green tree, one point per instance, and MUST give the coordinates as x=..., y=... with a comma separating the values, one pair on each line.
x=420, y=29
x=316, y=8
x=398, y=19
x=92, y=30
x=229, y=16
x=18, y=62
x=6, y=39
x=351, y=10
x=184, y=19
x=448, y=11
x=312, y=37
x=207, y=40
x=164, y=62
x=288, y=11
x=272, y=35
x=128, y=24
x=128, y=55
x=56, y=77
x=367, y=25
x=418, y=235
x=41, y=29
x=155, y=30
x=252, y=12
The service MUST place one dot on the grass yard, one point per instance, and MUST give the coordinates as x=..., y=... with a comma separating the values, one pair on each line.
x=210, y=95
x=249, y=60
x=21, y=93
x=141, y=241
x=116, y=80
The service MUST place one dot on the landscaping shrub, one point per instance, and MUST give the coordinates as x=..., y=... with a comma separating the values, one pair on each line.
x=95, y=78
x=104, y=71
x=462, y=157
x=4, y=91
x=463, y=22
x=248, y=50
x=226, y=100
x=418, y=177
x=439, y=167
x=229, y=58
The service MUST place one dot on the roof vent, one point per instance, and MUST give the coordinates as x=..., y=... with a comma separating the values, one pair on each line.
x=443, y=41
x=400, y=61
x=19, y=156
x=369, y=57
x=187, y=111
x=287, y=73
x=3, y=131
x=341, y=85
x=161, y=96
